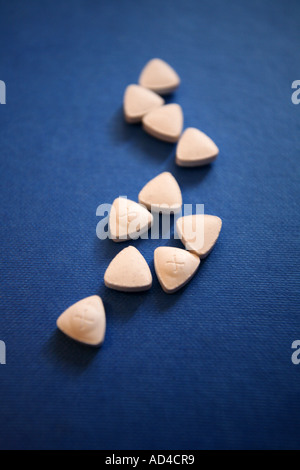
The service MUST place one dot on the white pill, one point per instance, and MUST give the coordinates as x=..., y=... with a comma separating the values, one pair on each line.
x=174, y=267
x=162, y=194
x=195, y=148
x=128, y=220
x=128, y=272
x=164, y=123
x=84, y=321
x=139, y=101
x=199, y=233
x=159, y=76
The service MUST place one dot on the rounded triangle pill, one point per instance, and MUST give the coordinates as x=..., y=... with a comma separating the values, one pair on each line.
x=162, y=194
x=128, y=220
x=164, y=123
x=128, y=272
x=199, y=233
x=159, y=76
x=139, y=101
x=84, y=321
x=174, y=267
x=195, y=148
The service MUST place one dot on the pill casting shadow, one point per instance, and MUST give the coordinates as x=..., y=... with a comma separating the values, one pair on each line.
x=65, y=351
x=157, y=149
x=150, y=147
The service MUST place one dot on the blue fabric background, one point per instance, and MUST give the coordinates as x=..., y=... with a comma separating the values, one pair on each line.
x=209, y=367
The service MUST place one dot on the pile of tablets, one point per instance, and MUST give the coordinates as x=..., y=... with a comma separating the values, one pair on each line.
x=165, y=121
x=128, y=220
x=174, y=267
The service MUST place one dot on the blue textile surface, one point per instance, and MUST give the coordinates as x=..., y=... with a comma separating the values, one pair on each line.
x=210, y=366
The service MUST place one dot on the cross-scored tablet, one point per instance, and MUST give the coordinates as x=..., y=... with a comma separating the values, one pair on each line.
x=84, y=321
x=128, y=220
x=174, y=267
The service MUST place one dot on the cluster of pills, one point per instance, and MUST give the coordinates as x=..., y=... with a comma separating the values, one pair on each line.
x=143, y=103
x=128, y=220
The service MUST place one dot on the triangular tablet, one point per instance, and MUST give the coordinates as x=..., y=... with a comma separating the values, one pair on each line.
x=195, y=148
x=84, y=321
x=139, y=101
x=128, y=272
x=199, y=233
x=162, y=194
x=164, y=123
x=159, y=77
x=174, y=267
x=128, y=220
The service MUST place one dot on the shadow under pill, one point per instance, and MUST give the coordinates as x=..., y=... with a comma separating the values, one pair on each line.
x=60, y=349
x=163, y=301
x=154, y=148
x=120, y=307
x=107, y=249
x=120, y=131
x=188, y=176
x=170, y=98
